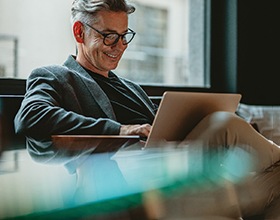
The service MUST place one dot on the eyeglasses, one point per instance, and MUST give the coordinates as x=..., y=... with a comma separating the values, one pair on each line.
x=113, y=38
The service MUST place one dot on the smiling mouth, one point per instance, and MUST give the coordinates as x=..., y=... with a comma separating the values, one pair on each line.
x=111, y=55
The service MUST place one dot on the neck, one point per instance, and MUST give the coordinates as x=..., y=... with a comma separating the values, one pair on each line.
x=92, y=68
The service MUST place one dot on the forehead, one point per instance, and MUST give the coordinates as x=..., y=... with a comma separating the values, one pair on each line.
x=112, y=20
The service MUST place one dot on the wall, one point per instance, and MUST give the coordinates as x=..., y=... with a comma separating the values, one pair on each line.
x=30, y=20
x=258, y=51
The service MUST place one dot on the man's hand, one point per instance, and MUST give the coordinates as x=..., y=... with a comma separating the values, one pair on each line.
x=141, y=130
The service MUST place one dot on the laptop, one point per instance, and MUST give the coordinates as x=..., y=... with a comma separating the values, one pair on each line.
x=177, y=115
x=180, y=112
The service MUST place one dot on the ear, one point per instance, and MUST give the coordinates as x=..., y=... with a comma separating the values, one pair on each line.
x=78, y=31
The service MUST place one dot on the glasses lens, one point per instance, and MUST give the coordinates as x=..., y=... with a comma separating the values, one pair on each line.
x=111, y=39
x=127, y=38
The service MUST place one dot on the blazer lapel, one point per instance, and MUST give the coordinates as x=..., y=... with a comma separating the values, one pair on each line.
x=93, y=88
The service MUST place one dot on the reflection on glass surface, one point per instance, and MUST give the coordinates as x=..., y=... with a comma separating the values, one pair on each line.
x=104, y=183
x=32, y=187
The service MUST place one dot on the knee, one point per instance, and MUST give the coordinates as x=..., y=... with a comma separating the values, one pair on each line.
x=219, y=125
x=226, y=120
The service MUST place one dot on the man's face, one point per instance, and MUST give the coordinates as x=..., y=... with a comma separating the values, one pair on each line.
x=96, y=55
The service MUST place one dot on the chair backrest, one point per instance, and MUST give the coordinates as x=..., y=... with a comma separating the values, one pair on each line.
x=12, y=86
x=9, y=105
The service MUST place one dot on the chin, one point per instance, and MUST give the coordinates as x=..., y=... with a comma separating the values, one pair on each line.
x=112, y=67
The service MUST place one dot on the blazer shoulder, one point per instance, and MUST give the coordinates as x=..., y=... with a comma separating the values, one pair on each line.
x=51, y=71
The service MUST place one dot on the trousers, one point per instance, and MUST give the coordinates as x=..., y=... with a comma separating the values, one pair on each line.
x=259, y=192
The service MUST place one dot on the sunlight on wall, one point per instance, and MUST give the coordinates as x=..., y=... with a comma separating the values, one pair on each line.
x=38, y=23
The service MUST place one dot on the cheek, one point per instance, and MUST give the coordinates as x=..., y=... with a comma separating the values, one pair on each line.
x=95, y=48
x=93, y=45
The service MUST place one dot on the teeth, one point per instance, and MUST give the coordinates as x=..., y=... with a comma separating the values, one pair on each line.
x=111, y=55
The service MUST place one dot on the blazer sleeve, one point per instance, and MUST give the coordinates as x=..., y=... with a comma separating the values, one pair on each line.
x=51, y=107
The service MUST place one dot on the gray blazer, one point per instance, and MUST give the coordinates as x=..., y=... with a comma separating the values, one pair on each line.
x=66, y=100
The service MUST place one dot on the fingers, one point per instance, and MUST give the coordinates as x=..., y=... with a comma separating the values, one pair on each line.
x=141, y=130
x=144, y=130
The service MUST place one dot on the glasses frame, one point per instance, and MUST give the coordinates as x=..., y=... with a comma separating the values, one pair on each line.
x=130, y=31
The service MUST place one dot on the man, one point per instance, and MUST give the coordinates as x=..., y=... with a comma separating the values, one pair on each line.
x=84, y=96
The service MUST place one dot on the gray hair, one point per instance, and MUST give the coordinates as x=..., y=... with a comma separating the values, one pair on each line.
x=85, y=10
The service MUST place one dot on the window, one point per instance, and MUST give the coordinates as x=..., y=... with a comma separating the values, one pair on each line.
x=169, y=48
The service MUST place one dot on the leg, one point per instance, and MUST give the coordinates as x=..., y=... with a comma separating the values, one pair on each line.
x=226, y=129
x=223, y=129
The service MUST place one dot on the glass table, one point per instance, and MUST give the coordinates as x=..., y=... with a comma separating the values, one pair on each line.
x=113, y=185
